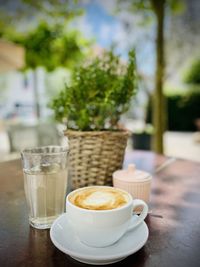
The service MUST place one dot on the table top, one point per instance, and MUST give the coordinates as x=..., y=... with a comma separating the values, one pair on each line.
x=174, y=235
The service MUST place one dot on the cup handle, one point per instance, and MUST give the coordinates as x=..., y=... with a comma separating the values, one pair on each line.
x=142, y=216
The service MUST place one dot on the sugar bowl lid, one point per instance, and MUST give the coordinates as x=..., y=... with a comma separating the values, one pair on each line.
x=131, y=174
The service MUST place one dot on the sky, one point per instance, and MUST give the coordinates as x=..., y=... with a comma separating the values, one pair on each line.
x=100, y=21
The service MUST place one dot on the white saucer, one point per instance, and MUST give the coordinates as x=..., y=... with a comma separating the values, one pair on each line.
x=63, y=237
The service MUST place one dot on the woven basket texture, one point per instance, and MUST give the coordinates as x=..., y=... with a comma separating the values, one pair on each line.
x=94, y=156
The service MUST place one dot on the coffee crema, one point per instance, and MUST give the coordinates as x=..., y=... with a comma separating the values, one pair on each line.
x=99, y=198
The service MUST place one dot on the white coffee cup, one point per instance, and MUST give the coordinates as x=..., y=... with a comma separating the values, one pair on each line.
x=101, y=228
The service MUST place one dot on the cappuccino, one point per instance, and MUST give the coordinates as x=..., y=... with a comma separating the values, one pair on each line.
x=99, y=198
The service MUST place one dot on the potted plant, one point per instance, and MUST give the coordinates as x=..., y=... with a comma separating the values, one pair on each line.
x=91, y=106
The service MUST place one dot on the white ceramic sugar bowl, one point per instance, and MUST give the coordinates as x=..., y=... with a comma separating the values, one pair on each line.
x=136, y=182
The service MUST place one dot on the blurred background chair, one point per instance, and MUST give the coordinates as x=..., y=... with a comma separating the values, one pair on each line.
x=22, y=136
x=48, y=134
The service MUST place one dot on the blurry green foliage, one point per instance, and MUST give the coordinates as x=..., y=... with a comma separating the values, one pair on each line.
x=183, y=108
x=192, y=76
x=51, y=46
x=22, y=13
x=42, y=28
x=100, y=92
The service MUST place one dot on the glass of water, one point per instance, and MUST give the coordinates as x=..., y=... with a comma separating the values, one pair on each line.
x=45, y=183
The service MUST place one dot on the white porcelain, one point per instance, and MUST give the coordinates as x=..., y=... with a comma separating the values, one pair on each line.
x=101, y=228
x=64, y=238
x=136, y=182
x=132, y=174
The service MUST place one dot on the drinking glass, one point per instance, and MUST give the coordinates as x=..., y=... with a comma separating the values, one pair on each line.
x=45, y=183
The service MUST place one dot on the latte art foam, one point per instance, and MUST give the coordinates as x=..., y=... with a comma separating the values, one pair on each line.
x=99, y=198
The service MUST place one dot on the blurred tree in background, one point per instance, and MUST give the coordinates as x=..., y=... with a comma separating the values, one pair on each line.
x=157, y=10
x=42, y=28
x=183, y=105
x=51, y=46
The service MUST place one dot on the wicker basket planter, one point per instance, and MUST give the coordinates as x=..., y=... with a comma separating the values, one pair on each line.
x=94, y=156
